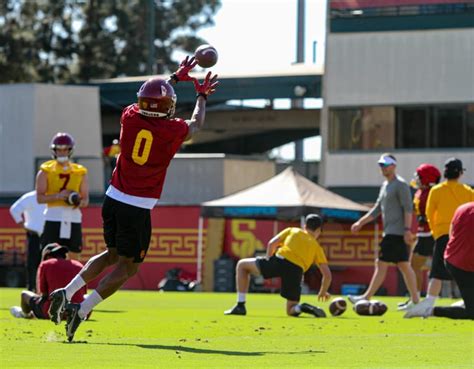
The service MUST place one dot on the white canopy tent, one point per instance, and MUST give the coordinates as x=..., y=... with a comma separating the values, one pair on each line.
x=287, y=196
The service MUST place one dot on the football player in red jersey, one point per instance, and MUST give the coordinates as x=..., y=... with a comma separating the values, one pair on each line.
x=149, y=137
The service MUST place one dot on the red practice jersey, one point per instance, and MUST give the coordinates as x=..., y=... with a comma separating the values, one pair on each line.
x=460, y=249
x=147, y=147
x=57, y=273
x=419, y=205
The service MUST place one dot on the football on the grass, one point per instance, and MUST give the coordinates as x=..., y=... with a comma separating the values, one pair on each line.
x=379, y=307
x=365, y=307
x=337, y=306
x=206, y=56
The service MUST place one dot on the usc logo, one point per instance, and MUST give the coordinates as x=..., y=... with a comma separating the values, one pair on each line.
x=245, y=243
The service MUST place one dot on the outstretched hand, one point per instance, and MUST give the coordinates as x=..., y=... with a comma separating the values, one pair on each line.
x=208, y=86
x=182, y=74
x=324, y=296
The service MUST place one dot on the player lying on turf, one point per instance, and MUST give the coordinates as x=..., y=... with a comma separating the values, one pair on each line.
x=289, y=254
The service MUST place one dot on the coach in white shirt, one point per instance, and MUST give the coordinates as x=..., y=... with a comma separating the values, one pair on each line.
x=27, y=212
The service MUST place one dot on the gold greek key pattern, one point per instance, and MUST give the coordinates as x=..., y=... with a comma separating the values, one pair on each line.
x=346, y=249
x=12, y=239
x=167, y=245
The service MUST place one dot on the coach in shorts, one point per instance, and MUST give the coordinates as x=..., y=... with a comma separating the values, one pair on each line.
x=395, y=205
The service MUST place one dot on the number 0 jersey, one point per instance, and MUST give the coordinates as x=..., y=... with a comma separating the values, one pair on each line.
x=147, y=147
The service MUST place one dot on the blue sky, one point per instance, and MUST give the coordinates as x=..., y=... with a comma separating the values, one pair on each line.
x=260, y=35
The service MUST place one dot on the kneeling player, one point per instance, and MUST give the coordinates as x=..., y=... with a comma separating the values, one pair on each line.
x=296, y=250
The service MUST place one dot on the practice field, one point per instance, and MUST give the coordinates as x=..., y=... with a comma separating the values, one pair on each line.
x=189, y=330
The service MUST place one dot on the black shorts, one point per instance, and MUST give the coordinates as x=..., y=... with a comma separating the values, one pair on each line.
x=424, y=246
x=126, y=228
x=36, y=306
x=51, y=234
x=291, y=275
x=438, y=269
x=393, y=249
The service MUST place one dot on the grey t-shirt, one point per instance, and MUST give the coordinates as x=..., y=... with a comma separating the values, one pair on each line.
x=393, y=202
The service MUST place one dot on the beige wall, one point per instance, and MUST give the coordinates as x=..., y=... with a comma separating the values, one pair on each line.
x=31, y=115
x=394, y=68
x=195, y=178
x=360, y=169
x=240, y=174
x=399, y=67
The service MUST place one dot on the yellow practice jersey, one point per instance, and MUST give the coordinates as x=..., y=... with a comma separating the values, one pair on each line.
x=300, y=248
x=63, y=178
x=443, y=200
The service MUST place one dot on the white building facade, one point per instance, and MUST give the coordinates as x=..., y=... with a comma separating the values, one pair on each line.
x=398, y=79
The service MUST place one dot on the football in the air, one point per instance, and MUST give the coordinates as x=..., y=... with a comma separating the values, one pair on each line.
x=337, y=306
x=74, y=199
x=206, y=56
x=365, y=307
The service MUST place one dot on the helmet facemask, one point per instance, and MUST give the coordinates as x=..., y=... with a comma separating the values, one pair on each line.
x=62, y=141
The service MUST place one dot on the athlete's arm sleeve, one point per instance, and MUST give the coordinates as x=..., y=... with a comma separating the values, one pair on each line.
x=283, y=234
x=41, y=283
x=17, y=209
x=320, y=256
x=431, y=204
x=276, y=240
x=375, y=211
x=405, y=198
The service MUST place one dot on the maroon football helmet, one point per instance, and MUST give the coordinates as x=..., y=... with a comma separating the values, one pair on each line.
x=156, y=98
x=62, y=141
x=427, y=175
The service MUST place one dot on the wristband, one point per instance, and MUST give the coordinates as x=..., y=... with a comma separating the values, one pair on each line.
x=201, y=94
x=407, y=229
x=174, y=77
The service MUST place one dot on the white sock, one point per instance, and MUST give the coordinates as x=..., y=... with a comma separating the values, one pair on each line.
x=75, y=285
x=241, y=296
x=89, y=303
x=431, y=299
x=297, y=309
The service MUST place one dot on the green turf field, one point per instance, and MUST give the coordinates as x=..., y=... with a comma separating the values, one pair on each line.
x=189, y=330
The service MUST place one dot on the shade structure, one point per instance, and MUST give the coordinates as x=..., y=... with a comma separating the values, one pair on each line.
x=287, y=196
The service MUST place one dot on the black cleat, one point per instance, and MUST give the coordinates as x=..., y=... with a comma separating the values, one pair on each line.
x=58, y=303
x=238, y=309
x=314, y=310
x=73, y=320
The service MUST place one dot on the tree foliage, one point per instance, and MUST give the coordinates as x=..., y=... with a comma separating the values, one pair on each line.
x=79, y=40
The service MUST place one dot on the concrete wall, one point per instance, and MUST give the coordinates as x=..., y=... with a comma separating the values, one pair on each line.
x=399, y=67
x=31, y=114
x=17, y=108
x=394, y=68
x=240, y=174
x=195, y=178
x=361, y=169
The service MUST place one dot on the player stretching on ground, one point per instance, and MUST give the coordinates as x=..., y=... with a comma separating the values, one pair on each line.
x=149, y=138
x=297, y=250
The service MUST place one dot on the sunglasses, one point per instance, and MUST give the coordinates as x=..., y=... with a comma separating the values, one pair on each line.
x=384, y=165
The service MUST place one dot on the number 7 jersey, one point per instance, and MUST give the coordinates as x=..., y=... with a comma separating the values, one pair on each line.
x=61, y=177
x=147, y=147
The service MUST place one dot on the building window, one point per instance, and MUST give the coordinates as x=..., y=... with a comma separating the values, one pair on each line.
x=374, y=128
x=367, y=128
x=413, y=127
x=448, y=127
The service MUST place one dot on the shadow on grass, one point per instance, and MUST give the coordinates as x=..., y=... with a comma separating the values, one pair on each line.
x=194, y=350
x=109, y=311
